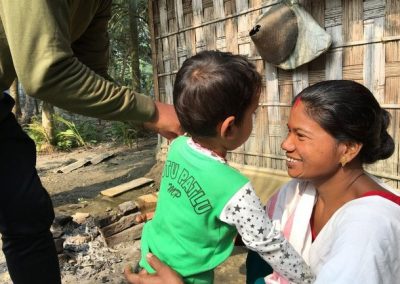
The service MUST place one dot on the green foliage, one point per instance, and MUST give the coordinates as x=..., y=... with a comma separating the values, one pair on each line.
x=146, y=82
x=37, y=133
x=89, y=132
x=121, y=47
x=124, y=133
x=68, y=134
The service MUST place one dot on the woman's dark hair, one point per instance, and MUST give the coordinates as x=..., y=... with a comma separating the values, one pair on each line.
x=349, y=112
x=210, y=86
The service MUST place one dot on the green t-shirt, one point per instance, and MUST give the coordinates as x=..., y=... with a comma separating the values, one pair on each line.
x=186, y=232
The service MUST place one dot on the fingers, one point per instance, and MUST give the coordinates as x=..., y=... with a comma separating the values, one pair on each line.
x=143, y=272
x=144, y=217
x=142, y=277
x=156, y=263
x=164, y=274
x=131, y=277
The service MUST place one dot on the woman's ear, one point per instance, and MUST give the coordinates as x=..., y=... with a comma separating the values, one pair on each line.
x=351, y=151
x=227, y=128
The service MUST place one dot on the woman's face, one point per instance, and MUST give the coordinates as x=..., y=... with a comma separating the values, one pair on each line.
x=311, y=152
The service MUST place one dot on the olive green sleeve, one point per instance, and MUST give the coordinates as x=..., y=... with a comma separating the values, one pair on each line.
x=39, y=37
x=7, y=72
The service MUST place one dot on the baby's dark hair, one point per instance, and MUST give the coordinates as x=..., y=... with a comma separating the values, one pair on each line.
x=210, y=86
x=350, y=113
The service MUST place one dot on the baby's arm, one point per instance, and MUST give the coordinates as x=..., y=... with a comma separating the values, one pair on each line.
x=245, y=211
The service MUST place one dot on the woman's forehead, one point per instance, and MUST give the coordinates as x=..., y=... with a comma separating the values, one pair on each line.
x=300, y=118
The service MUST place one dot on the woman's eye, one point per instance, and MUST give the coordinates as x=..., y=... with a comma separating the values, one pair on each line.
x=301, y=136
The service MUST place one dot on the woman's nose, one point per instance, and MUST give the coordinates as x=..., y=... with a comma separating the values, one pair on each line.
x=286, y=144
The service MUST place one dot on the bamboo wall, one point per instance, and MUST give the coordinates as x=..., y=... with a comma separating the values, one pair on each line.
x=366, y=48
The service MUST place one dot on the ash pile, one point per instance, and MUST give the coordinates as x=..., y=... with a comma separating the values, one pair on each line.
x=95, y=249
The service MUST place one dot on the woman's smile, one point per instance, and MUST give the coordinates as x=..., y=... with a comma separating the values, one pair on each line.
x=291, y=161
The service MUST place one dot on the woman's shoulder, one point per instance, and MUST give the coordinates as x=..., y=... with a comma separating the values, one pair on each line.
x=370, y=221
x=372, y=207
x=371, y=211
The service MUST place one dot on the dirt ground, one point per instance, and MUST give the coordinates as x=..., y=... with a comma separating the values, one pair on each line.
x=79, y=191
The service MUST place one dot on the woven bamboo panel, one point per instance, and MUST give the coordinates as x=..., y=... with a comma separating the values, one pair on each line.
x=366, y=48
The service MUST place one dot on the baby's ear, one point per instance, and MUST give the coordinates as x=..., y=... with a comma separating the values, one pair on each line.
x=226, y=129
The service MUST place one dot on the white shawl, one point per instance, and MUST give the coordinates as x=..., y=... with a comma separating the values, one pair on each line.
x=359, y=244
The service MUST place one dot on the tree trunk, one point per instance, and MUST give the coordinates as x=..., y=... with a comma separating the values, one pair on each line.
x=124, y=61
x=133, y=23
x=15, y=95
x=29, y=108
x=48, y=121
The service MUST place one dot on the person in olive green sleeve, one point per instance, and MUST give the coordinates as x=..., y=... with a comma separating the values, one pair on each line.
x=58, y=49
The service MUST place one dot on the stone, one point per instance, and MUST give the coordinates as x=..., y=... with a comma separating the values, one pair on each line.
x=62, y=220
x=106, y=219
x=77, y=243
x=128, y=207
x=56, y=230
x=122, y=224
x=80, y=217
x=63, y=258
x=147, y=202
x=127, y=235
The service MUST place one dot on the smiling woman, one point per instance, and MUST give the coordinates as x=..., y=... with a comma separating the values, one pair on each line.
x=331, y=211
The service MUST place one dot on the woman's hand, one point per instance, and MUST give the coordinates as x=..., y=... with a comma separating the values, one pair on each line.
x=164, y=274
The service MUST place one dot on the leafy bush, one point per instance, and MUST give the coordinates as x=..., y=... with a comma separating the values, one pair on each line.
x=89, y=132
x=70, y=134
x=67, y=134
x=37, y=133
x=124, y=133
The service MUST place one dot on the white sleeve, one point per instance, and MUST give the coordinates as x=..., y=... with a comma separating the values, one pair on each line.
x=245, y=211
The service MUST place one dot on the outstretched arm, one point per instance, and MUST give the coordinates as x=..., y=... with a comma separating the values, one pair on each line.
x=55, y=64
x=246, y=213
